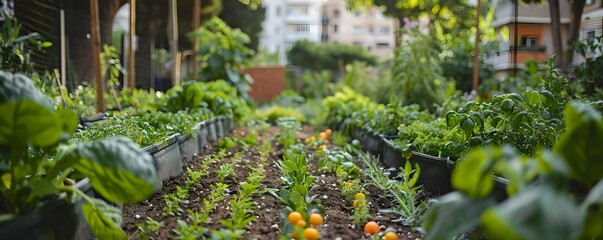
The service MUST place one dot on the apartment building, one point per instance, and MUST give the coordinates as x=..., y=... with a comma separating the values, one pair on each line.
x=532, y=24
x=288, y=21
x=591, y=25
x=369, y=29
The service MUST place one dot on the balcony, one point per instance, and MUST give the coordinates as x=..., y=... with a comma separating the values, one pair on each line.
x=504, y=59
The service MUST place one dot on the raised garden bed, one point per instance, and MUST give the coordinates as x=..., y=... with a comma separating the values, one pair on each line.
x=167, y=159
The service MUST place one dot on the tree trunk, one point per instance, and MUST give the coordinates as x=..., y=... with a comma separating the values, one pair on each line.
x=574, y=27
x=556, y=33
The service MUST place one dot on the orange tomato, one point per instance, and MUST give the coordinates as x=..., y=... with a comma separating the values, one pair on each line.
x=360, y=195
x=300, y=223
x=371, y=228
x=322, y=135
x=328, y=131
x=391, y=236
x=315, y=219
x=311, y=234
x=294, y=217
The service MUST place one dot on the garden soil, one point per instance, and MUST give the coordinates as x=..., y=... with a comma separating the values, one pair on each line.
x=267, y=225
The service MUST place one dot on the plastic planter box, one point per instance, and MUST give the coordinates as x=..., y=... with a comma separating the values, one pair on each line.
x=167, y=159
x=371, y=142
x=220, y=126
x=201, y=135
x=212, y=134
x=189, y=146
x=57, y=218
x=228, y=123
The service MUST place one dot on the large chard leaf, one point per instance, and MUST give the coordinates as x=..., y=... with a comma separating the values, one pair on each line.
x=472, y=175
x=28, y=122
x=104, y=220
x=582, y=144
x=117, y=169
x=15, y=87
x=592, y=208
x=541, y=212
x=454, y=214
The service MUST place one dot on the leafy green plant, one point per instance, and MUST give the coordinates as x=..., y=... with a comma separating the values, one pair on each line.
x=350, y=188
x=406, y=196
x=133, y=128
x=173, y=201
x=273, y=113
x=379, y=177
x=347, y=104
x=289, y=128
x=226, y=172
x=417, y=72
x=188, y=232
x=361, y=211
x=148, y=228
x=541, y=196
x=36, y=159
x=223, y=53
x=318, y=57
x=387, y=120
x=431, y=137
x=15, y=50
x=215, y=97
x=178, y=122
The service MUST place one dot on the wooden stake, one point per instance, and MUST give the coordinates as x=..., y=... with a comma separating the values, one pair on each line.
x=63, y=51
x=196, y=24
x=131, y=54
x=95, y=31
x=476, y=49
x=174, y=36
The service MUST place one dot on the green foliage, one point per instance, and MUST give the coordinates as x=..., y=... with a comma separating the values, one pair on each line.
x=417, y=73
x=371, y=81
x=347, y=104
x=226, y=172
x=223, y=53
x=326, y=56
x=15, y=50
x=273, y=113
x=289, y=128
x=361, y=212
x=432, y=138
x=37, y=158
x=457, y=64
x=147, y=229
x=215, y=97
x=540, y=197
x=133, y=128
x=387, y=120
x=247, y=15
x=350, y=188
x=263, y=58
x=179, y=122
x=587, y=73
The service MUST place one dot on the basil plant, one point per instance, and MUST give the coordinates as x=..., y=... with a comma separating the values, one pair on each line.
x=36, y=158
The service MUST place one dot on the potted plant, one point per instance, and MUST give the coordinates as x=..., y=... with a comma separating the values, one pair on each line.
x=37, y=159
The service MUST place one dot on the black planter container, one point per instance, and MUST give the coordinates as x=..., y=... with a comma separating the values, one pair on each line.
x=57, y=219
x=189, y=146
x=371, y=142
x=228, y=123
x=166, y=155
x=435, y=174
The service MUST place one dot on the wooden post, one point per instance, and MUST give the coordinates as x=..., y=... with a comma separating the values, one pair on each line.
x=196, y=24
x=476, y=49
x=63, y=52
x=174, y=38
x=95, y=31
x=131, y=54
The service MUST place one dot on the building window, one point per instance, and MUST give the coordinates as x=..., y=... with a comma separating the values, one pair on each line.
x=529, y=41
x=382, y=44
x=357, y=30
x=335, y=27
x=384, y=31
x=336, y=13
x=303, y=28
x=590, y=35
x=357, y=43
x=590, y=2
x=278, y=11
x=370, y=30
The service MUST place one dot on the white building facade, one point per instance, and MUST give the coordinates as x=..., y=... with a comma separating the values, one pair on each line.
x=288, y=21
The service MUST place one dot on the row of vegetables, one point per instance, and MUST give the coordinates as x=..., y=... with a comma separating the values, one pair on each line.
x=503, y=155
x=45, y=149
